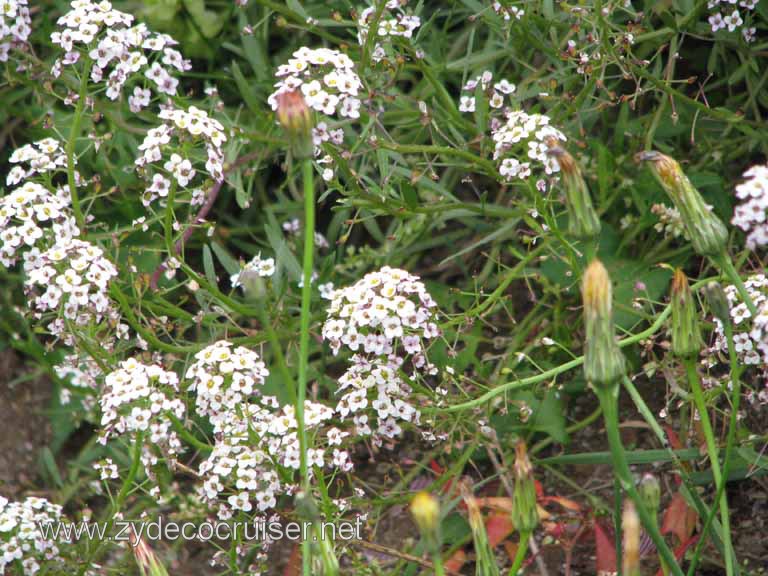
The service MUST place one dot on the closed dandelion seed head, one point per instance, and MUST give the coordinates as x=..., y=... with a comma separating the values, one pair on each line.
x=525, y=515
x=718, y=302
x=650, y=492
x=686, y=333
x=294, y=116
x=603, y=361
x=706, y=231
x=630, y=524
x=582, y=218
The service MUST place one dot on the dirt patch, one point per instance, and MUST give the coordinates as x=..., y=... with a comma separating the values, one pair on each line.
x=24, y=428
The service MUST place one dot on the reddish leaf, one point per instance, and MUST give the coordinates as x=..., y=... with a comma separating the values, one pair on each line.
x=456, y=561
x=674, y=439
x=679, y=519
x=293, y=567
x=605, y=550
x=564, y=502
x=498, y=527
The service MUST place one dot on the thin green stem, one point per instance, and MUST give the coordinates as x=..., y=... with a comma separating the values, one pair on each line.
x=522, y=550
x=729, y=442
x=525, y=382
x=609, y=401
x=726, y=266
x=277, y=350
x=709, y=438
x=74, y=134
x=307, y=175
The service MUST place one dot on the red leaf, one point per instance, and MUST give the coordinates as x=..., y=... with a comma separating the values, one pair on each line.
x=293, y=567
x=605, y=550
x=498, y=527
x=679, y=519
x=456, y=561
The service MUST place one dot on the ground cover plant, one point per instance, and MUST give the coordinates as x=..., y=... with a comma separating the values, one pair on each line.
x=483, y=282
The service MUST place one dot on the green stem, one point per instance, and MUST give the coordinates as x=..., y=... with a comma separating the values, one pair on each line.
x=609, y=401
x=170, y=246
x=522, y=549
x=709, y=438
x=525, y=382
x=277, y=350
x=726, y=266
x=736, y=393
x=307, y=175
x=74, y=133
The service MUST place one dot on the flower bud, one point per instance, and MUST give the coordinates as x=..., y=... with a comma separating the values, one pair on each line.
x=630, y=525
x=148, y=563
x=686, y=334
x=296, y=119
x=583, y=222
x=706, y=231
x=525, y=515
x=650, y=492
x=603, y=361
x=425, y=510
x=718, y=302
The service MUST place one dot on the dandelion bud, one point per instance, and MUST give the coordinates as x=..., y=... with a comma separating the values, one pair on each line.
x=686, y=334
x=650, y=492
x=582, y=219
x=296, y=118
x=630, y=525
x=718, y=302
x=706, y=231
x=425, y=510
x=525, y=515
x=603, y=361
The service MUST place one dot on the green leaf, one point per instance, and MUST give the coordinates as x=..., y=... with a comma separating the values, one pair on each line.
x=249, y=96
x=210, y=270
x=231, y=265
x=209, y=23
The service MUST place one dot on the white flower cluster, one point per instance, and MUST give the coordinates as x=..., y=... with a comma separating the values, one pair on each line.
x=494, y=92
x=72, y=275
x=732, y=20
x=31, y=213
x=514, y=132
x=524, y=132
x=750, y=336
x=326, y=78
x=118, y=51
x=293, y=226
x=376, y=382
x=385, y=319
x=43, y=156
x=254, y=443
x=181, y=126
x=670, y=222
x=21, y=542
x=394, y=21
x=138, y=398
x=752, y=214
x=14, y=26
x=257, y=267
x=224, y=379
x=508, y=12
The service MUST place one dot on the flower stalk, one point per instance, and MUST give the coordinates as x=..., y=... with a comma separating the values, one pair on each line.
x=74, y=133
x=707, y=232
x=604, y=367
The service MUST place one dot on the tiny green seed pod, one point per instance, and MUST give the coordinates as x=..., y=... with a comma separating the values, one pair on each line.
x=296, y=119
x=718, y=302
x=603, y=361
x=707, y=232
x=583, y=222
x=525, y=514
x=686, y=333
